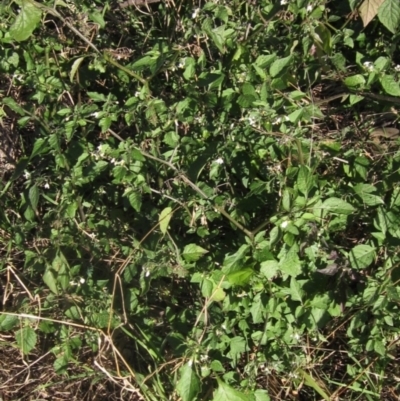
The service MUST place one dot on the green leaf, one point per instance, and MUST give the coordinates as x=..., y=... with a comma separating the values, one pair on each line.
x=295, y=290
x=74, y=68
x=290, y=263
x=354, y=81
x=305, y=180
x=390, y=85
x=8, y=322
x=228, y=393
x=188, y=386
x=241, y=277
x=337, y=205
x=278, y=65
x=141, y=64
x=26, y=21
x=193, y=252
x=135, y=199
x=364, y=191
x=50, y=280
x=389, y=15
x=26, y=339
x=218, y=294
x=362, y=256
x=164, y=219
x=40, y=147
x=286, y=199
x=269, y=268
x=262, y=395
x=34, y=196
x=73, y=312
x=235, y=262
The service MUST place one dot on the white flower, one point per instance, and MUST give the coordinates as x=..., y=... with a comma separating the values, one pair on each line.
x=47, y=185
x=82, y=280
x=27, y=174
x=309, y=8
x=95, y=114
x=196, y=13
x=252, y=121
x=147, y=273
x=283, y=2
x=182, y=63
x=220, y=160
x=397, y=67
x=284, y=224
x=368, y=65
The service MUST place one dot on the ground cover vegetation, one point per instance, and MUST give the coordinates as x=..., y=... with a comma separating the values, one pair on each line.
x=199, y=200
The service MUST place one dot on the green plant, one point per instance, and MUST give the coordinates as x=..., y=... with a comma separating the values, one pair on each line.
x=205, y=196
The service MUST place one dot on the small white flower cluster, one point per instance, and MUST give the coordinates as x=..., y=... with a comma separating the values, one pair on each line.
x=74, y=283
x=284, y=224
x=284, y=2
x=196, y=13
x=220, y=160
x=369, y=66
x=27, y=175
x=116, y=162
x=397, y=68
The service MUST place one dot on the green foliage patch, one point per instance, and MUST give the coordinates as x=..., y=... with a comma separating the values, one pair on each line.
x=211, y=189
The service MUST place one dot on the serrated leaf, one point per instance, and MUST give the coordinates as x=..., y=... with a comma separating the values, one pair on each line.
x=362, y=256
x=188, y=386
x=26, y=21
x=389, y=15
x=368, y=10
x=34, y=196
x=290, y=263
x=74, y=68
x=227, y=393
x=269, y=269
x=164, y=219
x=13, y=105
x=7, y=322
x=193, y=252
x=26, y=339
x=364, y=192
